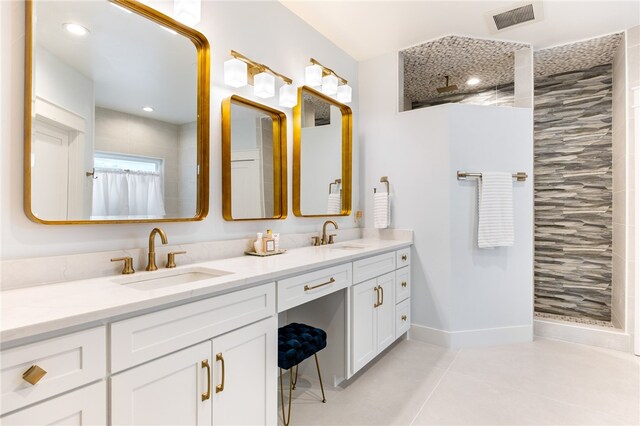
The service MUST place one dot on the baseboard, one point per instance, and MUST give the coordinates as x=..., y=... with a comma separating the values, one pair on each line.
x=472, y=338
x=609, y=338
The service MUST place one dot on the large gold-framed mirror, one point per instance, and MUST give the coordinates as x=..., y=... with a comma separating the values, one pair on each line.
x=321, y=155
x=254, y=161
x=116, y=114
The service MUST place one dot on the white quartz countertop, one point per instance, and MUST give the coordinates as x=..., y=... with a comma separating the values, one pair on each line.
x=31, y=311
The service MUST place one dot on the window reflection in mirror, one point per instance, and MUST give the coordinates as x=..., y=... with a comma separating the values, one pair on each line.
x=114, y=115
x=254, y=161
x=322, y=163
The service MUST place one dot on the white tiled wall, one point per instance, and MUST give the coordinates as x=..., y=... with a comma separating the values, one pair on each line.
x=523, y=78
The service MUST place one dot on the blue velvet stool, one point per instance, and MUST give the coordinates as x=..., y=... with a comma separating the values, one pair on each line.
x=297, y=342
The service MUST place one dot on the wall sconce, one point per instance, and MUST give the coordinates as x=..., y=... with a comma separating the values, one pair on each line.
x=331, y=83
x=240, y=71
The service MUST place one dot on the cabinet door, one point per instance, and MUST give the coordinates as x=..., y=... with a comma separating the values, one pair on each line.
x=86, y=406
x=245, y=375
x=363, y=324
x=386, y=312
x=167, y=391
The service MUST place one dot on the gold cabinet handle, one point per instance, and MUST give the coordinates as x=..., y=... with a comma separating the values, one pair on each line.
x=377, y=290
x=381, y=295
x=205, y=364
x=33, y=374
x=331, y=281
x=220, y=387
x=404, y=257
x=403, y=284
x=404, y=318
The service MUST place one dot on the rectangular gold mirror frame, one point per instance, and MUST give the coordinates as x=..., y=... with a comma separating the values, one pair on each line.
x=202, y=46
x=280, y=202
x=347, y=128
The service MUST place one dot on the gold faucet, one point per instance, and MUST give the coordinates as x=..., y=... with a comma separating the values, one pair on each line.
x=151, y=265
x=325, y=240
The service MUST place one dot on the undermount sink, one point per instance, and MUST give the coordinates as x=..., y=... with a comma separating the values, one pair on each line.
x=162, y=279
x=348, y=246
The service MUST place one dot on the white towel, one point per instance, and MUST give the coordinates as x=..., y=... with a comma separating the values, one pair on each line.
x=495, y=210
x=381, y=210
x=334, y=204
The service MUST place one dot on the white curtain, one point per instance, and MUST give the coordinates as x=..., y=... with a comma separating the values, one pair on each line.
x=118, y=193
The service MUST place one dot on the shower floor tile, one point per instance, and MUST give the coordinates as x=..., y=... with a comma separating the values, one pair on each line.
x=574, y=319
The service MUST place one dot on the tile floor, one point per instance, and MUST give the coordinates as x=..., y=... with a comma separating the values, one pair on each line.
x=545, y=382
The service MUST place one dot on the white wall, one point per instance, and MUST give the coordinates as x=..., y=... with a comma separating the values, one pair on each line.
x=264, y=31
x=457, y=289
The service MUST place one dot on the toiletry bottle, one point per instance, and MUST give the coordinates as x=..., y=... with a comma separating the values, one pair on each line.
x=276, y=238
x=269, y=244
x=257, y=246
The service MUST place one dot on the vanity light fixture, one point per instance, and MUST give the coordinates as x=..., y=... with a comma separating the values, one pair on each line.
x=241, y=70
x=76, y=29
x=147, y=108
x=473, y=81
x=332, y=84
x=187, y=11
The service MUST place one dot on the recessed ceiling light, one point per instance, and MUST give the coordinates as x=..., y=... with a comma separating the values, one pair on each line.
x=473, y=81
x=121, y=8
x=76, y=29
x=147, y=108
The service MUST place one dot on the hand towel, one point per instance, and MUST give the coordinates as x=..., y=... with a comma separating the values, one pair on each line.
x=334, y=203
x=495, y=210
x=381, y=210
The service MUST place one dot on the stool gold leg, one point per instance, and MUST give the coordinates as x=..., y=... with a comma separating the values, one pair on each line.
x=287, y=419
x=295, y=382
x=320, y=377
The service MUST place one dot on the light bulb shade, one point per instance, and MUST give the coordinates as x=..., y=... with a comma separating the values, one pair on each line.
x=235, y=73
x=288, y=96
x=313, y=75
x=330, y=85
x=187, y=11
x=344, y=93
x=264, y=85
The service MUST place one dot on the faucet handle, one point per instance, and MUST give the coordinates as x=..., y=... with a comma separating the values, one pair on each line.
x=128, y=264
x=171, y=258
x=331, y=238
x=315, y=240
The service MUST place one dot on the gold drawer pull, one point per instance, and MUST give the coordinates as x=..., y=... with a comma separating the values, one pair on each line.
x=33, y=374
x=206, y=395
x=220, y=387
x=308, y=287
x=404, y=318
x=404, y=257
x=403, y=284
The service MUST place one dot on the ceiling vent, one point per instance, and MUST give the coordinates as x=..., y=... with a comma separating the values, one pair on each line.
x=514, y=15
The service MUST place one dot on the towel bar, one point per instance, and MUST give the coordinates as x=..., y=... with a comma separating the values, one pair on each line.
x=519, y=176
x=385, y=180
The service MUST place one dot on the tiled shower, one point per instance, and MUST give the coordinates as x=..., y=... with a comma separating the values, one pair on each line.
x=574, y=185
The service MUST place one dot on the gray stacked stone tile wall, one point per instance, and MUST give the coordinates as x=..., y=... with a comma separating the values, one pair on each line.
x=573, y=193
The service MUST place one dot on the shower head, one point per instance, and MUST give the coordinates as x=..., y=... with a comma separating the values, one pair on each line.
x=446, y=87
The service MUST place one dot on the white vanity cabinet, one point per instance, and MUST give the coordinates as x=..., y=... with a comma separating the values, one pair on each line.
x=230, y=379
x=376, y=315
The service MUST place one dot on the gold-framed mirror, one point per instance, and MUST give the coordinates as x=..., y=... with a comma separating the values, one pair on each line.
x=322, y=153
x=116, y=114
x=254, y=161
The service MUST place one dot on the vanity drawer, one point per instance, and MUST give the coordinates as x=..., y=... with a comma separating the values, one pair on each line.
x=403, y=257
x=403, y=317
x=69, y=361
x=303, y=288
x=374, y=266
x=140, y=339
x=403, y=283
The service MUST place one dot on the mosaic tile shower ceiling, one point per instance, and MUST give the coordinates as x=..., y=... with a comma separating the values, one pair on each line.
x=573, y=193
x=425, y=66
